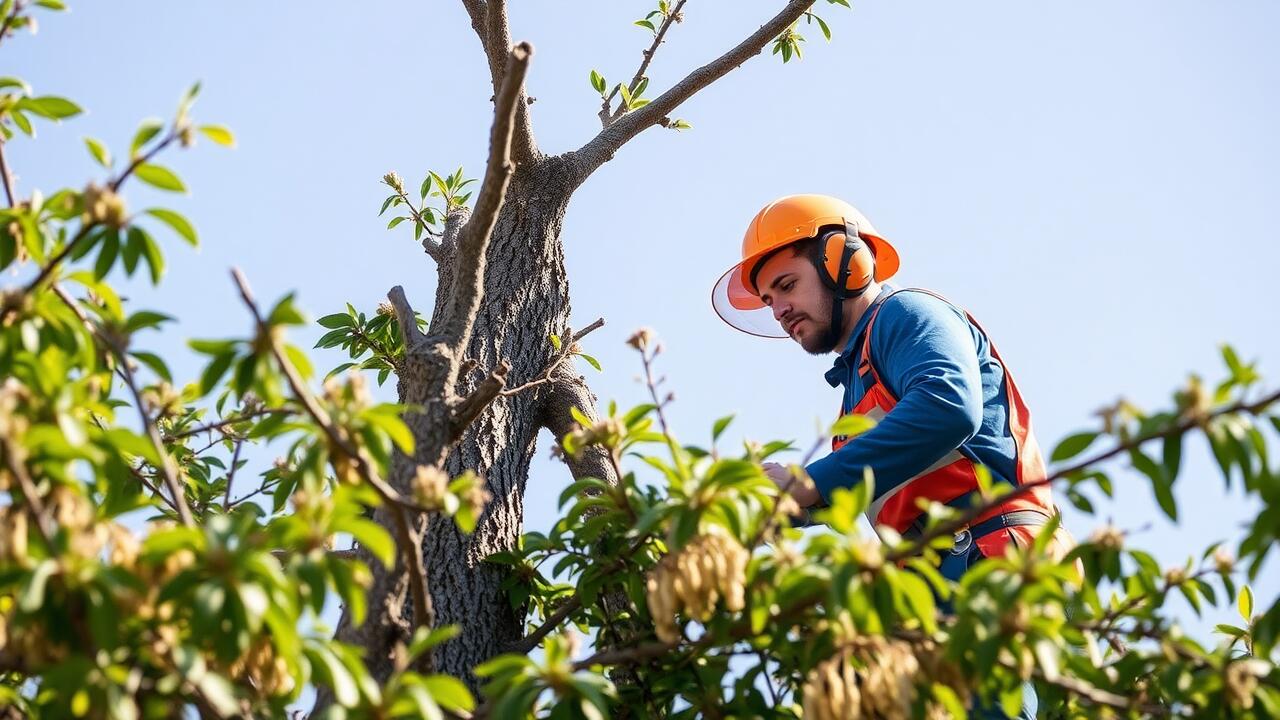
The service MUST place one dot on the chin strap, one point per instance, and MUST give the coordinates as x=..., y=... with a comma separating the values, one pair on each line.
x=839, y=293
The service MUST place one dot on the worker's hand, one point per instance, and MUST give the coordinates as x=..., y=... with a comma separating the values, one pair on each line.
x=801, y=488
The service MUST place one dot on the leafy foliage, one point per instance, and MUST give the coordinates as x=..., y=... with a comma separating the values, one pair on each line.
x=146, y=572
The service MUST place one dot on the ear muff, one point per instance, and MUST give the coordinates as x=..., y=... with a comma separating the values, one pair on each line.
x=845, y=247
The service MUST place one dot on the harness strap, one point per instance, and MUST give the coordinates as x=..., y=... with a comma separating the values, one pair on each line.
x=1017, y=518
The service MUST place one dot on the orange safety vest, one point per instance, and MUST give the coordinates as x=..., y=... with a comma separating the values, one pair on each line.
x=953, y=476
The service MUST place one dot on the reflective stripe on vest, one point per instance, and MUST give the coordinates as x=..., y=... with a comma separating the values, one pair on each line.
x=953, y=476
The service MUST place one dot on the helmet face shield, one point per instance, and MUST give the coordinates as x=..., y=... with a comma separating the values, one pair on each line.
x=741, y=308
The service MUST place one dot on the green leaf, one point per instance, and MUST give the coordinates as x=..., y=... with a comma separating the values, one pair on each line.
x=214, y=371
x=107, y=255
x=826, y=31
x=372, y=536
x=98, y=151
x=450, y=692
x=1073, y=445
x=300, y=361
x=22, y=122
x=50, y=107
x=646, y=24
x=1172, y=455
x=153, y=361
x=851, y=425
x=555, y=341
x=160, y=177
x=219, y=693
x=337, y=320
x=591, y=361
x=392, y=425
x=179, y=224
x=396, y=221
x=285, y=313
x=212, y=347
x=336, y=675
x=597, y=82
x=426, y=638
x=1244, y=603
x=718, y=428
x=1161, y=484
x=32, y=596
x=146, y=132
x=219, y=135
x=151, y=251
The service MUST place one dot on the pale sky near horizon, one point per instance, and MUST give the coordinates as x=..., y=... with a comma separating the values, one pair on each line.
x=1096, y=182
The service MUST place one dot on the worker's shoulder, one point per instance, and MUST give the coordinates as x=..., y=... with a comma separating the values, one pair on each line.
x=916, y=305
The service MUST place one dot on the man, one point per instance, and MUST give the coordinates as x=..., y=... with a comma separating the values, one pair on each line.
x=813, y=269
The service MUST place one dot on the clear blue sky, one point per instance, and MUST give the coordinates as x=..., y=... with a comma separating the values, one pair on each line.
x=1095, y=181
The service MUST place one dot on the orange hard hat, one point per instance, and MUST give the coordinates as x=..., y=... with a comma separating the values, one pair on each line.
x=782, y=222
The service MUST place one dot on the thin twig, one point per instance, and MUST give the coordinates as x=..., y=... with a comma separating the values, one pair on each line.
x=433, y=247
x=647, y=360
x=144, y=158
x=18, y=7
x=231, y=473
x=603, y=146
x=84, y=231
x=135, y=471
x=566, y=349
x=672, y=17
x=530, y=641
x=225, y=422
x=29, y=492
x=7, y=177
x=169, y=472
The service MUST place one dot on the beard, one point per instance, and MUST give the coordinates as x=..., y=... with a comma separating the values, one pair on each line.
x=819, y=343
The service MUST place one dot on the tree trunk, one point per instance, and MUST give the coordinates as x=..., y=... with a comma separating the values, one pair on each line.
x=526, y=299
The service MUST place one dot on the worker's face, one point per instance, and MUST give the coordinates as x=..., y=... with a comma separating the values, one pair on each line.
x=801, y=304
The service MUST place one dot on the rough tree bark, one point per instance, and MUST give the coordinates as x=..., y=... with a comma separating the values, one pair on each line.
x=524, y=298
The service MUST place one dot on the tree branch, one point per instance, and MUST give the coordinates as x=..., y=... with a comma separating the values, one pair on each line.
x=491, y=23
x=471, y=406
x=474, y=237
x=602, y=147
x=410, y=550
x=406, y=317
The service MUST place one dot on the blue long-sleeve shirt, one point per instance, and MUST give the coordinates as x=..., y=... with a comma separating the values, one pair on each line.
x=950, y=390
